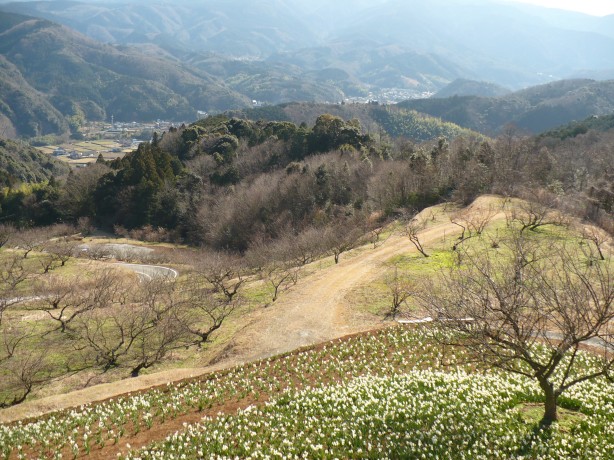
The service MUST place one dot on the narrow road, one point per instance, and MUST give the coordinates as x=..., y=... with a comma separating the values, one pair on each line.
x=149, y=272
x=313, y=311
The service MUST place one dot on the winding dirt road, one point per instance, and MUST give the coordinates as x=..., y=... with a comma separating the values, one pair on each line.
x=313, y=311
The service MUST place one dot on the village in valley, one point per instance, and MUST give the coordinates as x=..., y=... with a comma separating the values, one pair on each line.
x=111, y=140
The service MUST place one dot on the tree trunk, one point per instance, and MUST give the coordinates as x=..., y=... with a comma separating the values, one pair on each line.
x=137, y=370
x=550, y=409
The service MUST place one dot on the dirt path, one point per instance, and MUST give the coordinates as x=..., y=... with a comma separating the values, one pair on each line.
x=313, y=311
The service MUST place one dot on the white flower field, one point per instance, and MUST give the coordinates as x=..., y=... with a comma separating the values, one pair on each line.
x=395, y=393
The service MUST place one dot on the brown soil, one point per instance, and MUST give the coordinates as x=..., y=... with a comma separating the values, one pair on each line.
x=313, y=311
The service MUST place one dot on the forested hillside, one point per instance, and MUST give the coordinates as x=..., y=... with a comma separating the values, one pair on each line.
x=234, y=184
x=378, y=120
x=464, y=87
x=50, y=75
x=21, y=163
x=533, y=110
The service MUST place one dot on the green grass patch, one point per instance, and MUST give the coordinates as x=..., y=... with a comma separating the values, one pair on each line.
x=532, y=413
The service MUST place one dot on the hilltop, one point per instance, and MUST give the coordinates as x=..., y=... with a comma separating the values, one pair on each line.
x=375, y=119
x=464, y=87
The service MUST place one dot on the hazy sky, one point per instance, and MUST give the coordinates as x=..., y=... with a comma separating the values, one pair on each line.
x=595, y=7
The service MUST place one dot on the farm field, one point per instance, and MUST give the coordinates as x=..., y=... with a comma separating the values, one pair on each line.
x=89, y=150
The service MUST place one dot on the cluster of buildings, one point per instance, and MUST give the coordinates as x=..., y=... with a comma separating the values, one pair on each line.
x=390, y=96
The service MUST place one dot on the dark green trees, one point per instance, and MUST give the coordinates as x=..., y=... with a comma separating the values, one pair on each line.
x=131, y=196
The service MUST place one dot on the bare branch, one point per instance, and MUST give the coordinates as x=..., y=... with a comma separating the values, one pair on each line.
x=529, y=305
x=412, y=230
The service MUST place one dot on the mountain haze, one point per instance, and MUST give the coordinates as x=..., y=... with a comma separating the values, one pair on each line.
x=509, y=44
x=142, y=61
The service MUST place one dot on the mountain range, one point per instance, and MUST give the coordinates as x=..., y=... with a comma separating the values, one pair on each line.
x=532, y=110
x=503, y=42
x=61, y=61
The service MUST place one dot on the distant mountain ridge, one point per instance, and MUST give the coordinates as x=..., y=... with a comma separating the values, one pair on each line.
x=534, y=109
x=509, y=44
x=168, y=60
x=464, y=87
x=49, y=72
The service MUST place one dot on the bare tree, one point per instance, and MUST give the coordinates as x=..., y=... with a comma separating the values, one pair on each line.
x=162, y=316
x=473, y=222
x=528, y=308
x=12, y=274
x=400, y=288
x=30, y=240
x=598, y=237
x=97, y=251
x=137, y=331
x=375, y=236
x=342, y=238
x=203, y=312
x=6, y=233
x=24, y=364
x=64, y=299
x=537, y=211
x=108, y=335
x=61, y=249
x=225, y=273
x=412, y=230
x=47, y=262
x=24, y=372
x=280, y=276
x=304, y=247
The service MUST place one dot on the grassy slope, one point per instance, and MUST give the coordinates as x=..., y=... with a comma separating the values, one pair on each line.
x=253, y=384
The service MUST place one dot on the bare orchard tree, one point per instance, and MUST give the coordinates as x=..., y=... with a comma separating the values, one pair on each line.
x=473, y=222
x=47, y=263
x=527, y=308
x=32, y=239
x=598, y=238
x=65, y=299
x=342, y=238
x=412, y=231
x=537, y=211
x=24, y=364
x=12, y=274
x=138, y=330
x=225, y=272
x=61, y=249
x=301, y=248
x=163, y=316
x=6, y=233
x=280, y=275
x=203, y=311
x=375, y=236
x=400, y=288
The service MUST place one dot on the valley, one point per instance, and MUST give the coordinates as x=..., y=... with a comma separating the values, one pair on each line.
x=375, y=229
